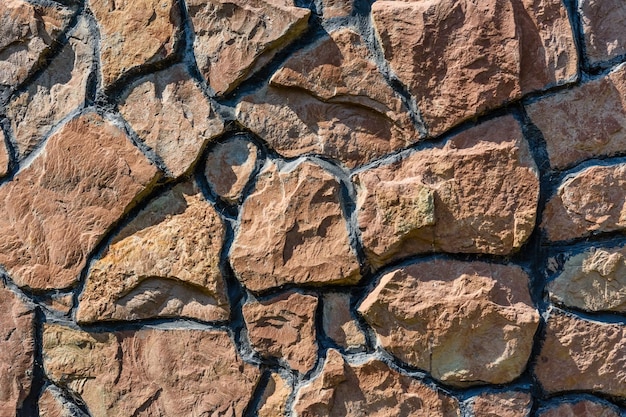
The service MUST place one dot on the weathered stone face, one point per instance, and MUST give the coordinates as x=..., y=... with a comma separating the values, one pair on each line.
x=337, y=8
x=582, y=408
x=602, y=22
x=274, y=400
x=339, y=324
x=52, y=403
x=4, y=156
x=502, y=404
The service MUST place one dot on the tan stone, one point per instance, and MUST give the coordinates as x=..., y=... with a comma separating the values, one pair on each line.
x=293, y=231
x=369, y=389
x=229, y=166
x=582, y=355
x=581, y=408
x=284, y=328
x=587, y=203
x=502, y=404
x=53, y=95
x=134, y=33
x=164, y=263
x=330, y=99
x=603, y=23
x=17, y=351
x=584, y=122
x=274, y=400
x=337, y=8
x=170, y=113
x=61, y=303
x=477, y=193
x=150, y=371
x=26, y=33
x=594, y=280
x=338, y=322
x=461, y=58
x=235, y=38
x=466, y=323
x=53, y=403
x=57, y=209
x=4, y=156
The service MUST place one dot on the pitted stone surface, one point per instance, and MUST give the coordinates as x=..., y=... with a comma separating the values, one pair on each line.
x=582, y=408
x=339, y=324
x=603, y=22
x=502, y=404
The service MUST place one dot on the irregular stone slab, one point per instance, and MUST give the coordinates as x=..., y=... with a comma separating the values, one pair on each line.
x=57, y=209
x=229, y=167
x=134, y=33
x=53, y=403
x=594, y=280
x=477, y=193
x=370, y=389
x=172, y=116
x=4, y=156
x=585, y=122
x=339, y=324
x=164, y=263
x=466, y=323
x=603, y=22
x=330, y=99
x=337, y=8
x=581, y=408
x=26, y=33
x=150, y=371
x=587, y=203
x=461, y=58
x=53, y=95
x=274, y=399
x=582, y=355
x=502, y=404
x=61, y=303
x=284, y=328
x=301, y=236
x=17, y=351
x=235, y=38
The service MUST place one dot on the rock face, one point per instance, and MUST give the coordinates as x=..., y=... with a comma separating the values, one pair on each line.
x=371, y=389
x=234, y=39
x=274, y=399
x=150, y=371
x=584, y=122
x=57, y=209
x=353, y=115
x=582, y=408
x=443, y=199
x=582, y=355
x=337, y=8
x=301, y=236
x=499, y=52
x=502, y=404
x=52, y=403
x=338, y=322
x=172, y=116
x=284, y=328
x=465, y=323
x=164, y=263
x=602, y=22
x=4, y=156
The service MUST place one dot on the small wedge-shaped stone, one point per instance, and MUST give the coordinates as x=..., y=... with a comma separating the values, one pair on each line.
x=155, y=372
x=235, y=38
x=134, y=33
x=477, y=193
x=54, y=403
x=293, y=231
x=371, y=389
x=164, y=263
x=57, y=209
x=170, y=113
x=275, y=396
x=502, y=404
x=330, y=99
x=466, y=323
x=339, y=324
x=603, y=22
x=580, y=408
x=4, y=156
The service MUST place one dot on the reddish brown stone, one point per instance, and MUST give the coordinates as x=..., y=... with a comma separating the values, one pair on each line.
x=339, y=323
x=460, y=58
x=369, y=389
x=581, y=408
x=477, y=193
x=53, y=403
x=293, y=231
x=603, y=22
x=337, y=8
x=235, y=38
x=465, y=323
x=4, y=156
x=582, y=355
x=284, y=328
x=57, y=209
x=154, y=372
x=502, y=404
x=274, y=400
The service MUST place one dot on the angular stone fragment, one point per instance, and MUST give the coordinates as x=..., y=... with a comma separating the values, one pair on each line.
x=61, y=303
x=172, y=116
x=284, y=328
x=235, y=38
x=229, y=166
x=502, y=404
x=4, y=156
x=293, y=231
x=603, y=23
x=594, y=280
x=338, y=322
x=582, y=355
x=370, y=389
x=26, y=32
x=461, y=58
x=53, y=403
x=337, y=8
x=584, y=122
x=57, y=209
x=466, y=323
x=274, y=400
x=476, y=194
x=330, y=99
x=164, y=263
x=589, y=202
x=134, y=33
x=150, y=371
x=581, y=408
x=53, y=95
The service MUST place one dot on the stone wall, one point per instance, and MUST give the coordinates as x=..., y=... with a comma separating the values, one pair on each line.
x=327, y=208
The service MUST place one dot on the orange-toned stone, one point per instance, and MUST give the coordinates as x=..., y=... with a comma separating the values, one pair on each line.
x=603, y=23
x=274, y=400
x=339, y=324
x=337, y=8
x=581, y=408
x=53, y=403
x=502, y=404
x=4, y=156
